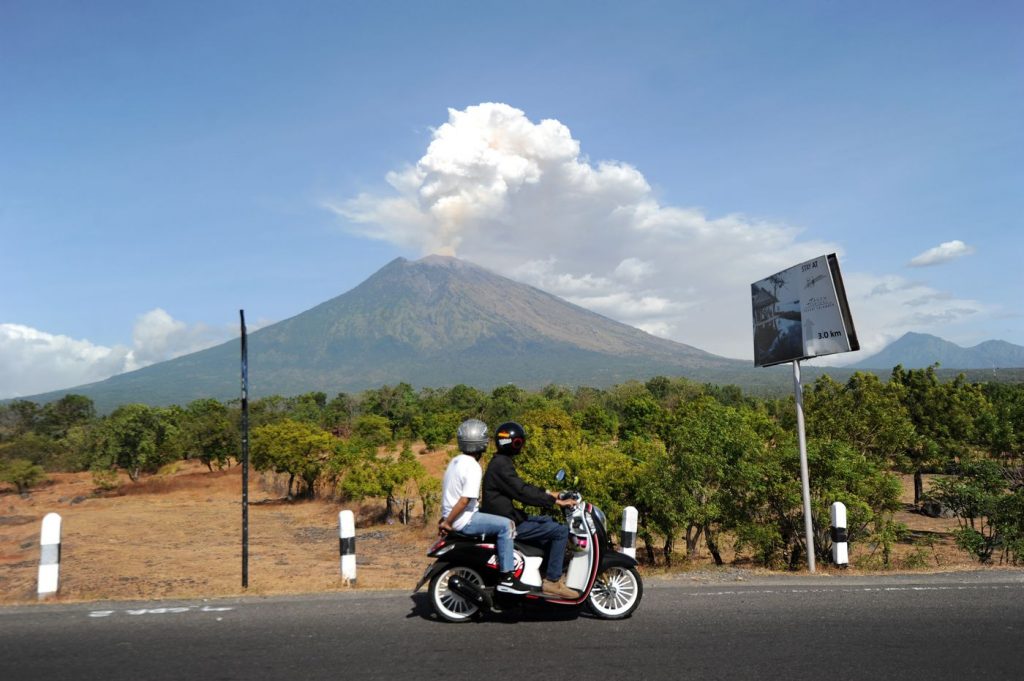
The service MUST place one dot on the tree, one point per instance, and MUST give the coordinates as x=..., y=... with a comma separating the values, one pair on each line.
x=468, y=402
x=32, y=447
x=946, y=417
x=137, y=438
x=385, y=476
x=652, y=501
x=988, y=501
x=1007, y=433
x=439, y=428
x=59, y=416
x=706, y=443
x=598, y=423
x=640, y=414
x=398, y=404
x=22, y=474
x=429, y=489
x=769, y=513
x=870, y=493
x=372, y=429
x=17, y=418
x=269, y=409
x=339, y=414
x=208, y=433
x=865, y=413
x=295, y=448
x=506, y=403
x=308, y=407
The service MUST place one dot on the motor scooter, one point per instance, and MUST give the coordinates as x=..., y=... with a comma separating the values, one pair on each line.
x=465, y=573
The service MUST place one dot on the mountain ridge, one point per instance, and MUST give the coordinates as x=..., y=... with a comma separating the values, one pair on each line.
x=919, y=350
x=434, y=322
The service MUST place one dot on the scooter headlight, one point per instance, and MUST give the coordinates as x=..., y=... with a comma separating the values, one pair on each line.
x=599, y=514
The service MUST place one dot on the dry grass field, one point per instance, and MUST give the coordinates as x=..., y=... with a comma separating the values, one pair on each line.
x=178, y=535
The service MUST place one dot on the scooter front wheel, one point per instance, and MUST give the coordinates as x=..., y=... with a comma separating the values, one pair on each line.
x=449, y=605
x=616, y=593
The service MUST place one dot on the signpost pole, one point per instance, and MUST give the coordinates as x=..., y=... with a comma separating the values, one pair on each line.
x=804, y=477
x=245, y=455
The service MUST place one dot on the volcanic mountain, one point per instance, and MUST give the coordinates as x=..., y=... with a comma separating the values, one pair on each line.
x=920, y=350
x=437, y=322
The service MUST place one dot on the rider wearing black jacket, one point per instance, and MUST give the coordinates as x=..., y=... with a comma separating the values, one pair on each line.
x=502, y=485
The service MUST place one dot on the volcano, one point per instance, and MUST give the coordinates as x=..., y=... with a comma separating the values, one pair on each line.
x=435, y=322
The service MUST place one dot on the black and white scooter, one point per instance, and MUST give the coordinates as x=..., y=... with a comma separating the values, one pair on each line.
x=463, y=577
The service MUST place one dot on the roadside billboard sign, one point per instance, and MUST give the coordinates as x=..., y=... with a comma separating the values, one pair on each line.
x=802, y=312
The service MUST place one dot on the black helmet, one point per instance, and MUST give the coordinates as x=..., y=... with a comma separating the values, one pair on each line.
x=510, y=438
x=472, y=436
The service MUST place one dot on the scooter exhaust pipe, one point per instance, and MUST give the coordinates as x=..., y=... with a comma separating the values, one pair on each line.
x=470, y=591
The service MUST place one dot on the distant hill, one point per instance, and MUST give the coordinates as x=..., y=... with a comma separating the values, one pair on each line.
x=433, y=322
x=919, y=350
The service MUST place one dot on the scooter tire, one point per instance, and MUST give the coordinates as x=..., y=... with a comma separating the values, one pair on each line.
x=450, y=606
x=616, y=593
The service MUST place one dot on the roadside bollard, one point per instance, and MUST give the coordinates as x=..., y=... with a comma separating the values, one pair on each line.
x=347, y=546
x=629, y=522
x=49, y=556
x=840, y=554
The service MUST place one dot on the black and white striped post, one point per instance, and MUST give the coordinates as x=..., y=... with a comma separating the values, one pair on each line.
x=49, y=556
x=840, y=547
x=629, y=523
x=347, y=546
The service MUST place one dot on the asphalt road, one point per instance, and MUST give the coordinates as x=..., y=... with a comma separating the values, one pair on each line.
x=955, y=626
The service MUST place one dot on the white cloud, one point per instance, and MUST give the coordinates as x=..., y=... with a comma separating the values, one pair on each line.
x=34, y=361
x=944, y=252
x=886, y=307
x=519, y=198
x=158, y=337
x=634, y=270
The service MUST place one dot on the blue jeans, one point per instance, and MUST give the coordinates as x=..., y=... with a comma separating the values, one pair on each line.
x=487, y=523
x=545, y=531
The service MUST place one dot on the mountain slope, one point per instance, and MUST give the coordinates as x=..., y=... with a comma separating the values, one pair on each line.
x=434, y=322
x=919, y=350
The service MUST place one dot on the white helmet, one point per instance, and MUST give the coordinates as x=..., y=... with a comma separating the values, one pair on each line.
x=472, y=436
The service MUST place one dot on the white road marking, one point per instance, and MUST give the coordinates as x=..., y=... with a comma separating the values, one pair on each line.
x=159, y=611
x=740, y=592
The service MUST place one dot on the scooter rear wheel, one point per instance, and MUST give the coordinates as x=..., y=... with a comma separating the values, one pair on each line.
x=616, y=593
x=449, y=605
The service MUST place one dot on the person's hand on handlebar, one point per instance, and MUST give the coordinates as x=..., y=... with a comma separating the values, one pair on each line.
x=565, y=499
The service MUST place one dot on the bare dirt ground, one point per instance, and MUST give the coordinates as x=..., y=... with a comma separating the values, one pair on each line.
x=178, y=535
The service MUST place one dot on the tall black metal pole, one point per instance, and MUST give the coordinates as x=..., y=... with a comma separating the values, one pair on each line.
x=245, y=455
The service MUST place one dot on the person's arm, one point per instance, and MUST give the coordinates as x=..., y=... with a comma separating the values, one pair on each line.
x=445, y=524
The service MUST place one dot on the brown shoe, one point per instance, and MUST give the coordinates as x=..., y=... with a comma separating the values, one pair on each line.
x=559, y=589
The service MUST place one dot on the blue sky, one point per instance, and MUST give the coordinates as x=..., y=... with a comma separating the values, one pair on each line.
x=163, y=165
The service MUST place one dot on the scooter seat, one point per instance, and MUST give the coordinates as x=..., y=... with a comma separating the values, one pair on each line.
x=490, y=538
x=530, y=550
x=525, y=549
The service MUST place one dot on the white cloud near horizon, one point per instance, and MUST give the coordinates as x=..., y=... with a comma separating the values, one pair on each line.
x=522, y=199
x=943, y=253
x=34, y=361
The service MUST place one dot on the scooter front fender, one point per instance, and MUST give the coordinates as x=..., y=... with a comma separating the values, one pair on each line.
x=615, y=559
x=432, y=570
